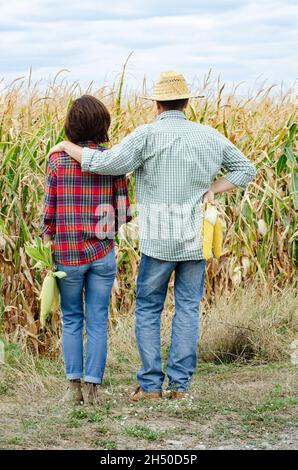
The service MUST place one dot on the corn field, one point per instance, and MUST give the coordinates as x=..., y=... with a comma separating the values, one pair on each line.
x=261, y=230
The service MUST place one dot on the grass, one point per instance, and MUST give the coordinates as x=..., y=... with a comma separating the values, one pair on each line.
x=3, y=389
x=230, y=404
x=246, y=326
x=107, y=444
x=91, y=415
x=242, y=326
x=143, y=432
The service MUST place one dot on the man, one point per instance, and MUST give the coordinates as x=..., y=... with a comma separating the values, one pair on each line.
x=175, y=161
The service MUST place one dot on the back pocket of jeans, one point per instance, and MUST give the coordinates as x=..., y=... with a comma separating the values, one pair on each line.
x=68, y=268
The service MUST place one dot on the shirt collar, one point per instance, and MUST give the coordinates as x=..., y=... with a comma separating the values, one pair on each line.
x=88, y=143
x=172, y=114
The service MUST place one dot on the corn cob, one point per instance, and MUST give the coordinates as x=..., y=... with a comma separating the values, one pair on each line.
x=209, y=221
x=217, y=238
x=49, y=296
x=46, y=297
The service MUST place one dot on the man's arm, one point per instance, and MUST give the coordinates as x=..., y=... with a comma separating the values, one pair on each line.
x=221, y=185
x=121, y=159
x=240, y=171
x=75, y=151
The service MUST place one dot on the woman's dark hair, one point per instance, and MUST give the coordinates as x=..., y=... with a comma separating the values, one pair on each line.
x=87, y=119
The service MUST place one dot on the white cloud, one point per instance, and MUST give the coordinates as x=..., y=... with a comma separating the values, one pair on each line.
x=239, y=39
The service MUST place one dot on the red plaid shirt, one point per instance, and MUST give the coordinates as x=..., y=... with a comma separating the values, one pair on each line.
x=82, y=211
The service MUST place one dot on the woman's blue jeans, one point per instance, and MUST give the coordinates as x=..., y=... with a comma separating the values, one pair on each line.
x=97, y=279
x=152, y=285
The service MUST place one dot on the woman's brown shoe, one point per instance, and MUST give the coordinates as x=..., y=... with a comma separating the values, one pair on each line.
x=91, y=393
x=140, y=394
x=74, y=393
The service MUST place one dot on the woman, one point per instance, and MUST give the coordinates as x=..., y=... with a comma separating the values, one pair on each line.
x=81, y=213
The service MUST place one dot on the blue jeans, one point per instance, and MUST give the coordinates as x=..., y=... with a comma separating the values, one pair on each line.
x=97, y=278
x=152, y=285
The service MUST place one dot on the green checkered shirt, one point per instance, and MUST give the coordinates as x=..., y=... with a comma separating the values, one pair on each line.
x=175, y=161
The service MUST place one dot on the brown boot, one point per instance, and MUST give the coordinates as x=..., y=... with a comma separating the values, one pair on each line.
x=175, y=395
x=140, y=394
x=74, y=393
x=91, y=393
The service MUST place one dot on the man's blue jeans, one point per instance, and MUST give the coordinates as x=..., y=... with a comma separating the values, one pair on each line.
x=152, y=285
x=97, y=278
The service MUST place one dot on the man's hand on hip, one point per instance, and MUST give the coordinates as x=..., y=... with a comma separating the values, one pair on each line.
x=209, y=197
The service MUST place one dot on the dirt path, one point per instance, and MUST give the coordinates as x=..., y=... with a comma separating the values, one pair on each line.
x=230, y=407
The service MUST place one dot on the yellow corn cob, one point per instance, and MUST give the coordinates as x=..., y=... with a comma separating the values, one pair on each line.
x=217, y=238
x=207, y=238
x=46, y=297
x=210, y=217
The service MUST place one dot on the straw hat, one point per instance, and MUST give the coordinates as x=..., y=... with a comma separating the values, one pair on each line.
x=170, y=86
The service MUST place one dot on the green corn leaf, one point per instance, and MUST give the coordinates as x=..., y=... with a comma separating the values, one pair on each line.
x=292, y=134
x=294, y=189
x=40, y=253
x=193, y=113
x=39, y=265
x=281, y=164
x=34, y=253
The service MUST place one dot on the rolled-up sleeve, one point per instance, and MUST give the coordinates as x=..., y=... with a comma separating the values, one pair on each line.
x=48, y=224
x=240, y=171
x=119, y=160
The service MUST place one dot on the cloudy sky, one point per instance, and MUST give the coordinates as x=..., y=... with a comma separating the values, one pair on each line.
x=239, y=39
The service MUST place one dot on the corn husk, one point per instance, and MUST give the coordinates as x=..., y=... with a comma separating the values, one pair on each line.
x=212, y=233
x=56, y=299
x=49, y=295
x=46, y=298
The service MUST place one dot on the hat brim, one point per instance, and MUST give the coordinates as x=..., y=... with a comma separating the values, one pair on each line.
x=170, y=98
